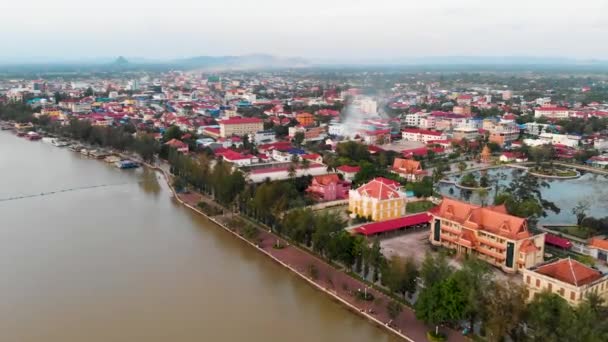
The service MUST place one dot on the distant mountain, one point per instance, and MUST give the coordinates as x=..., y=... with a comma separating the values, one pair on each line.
x=257, y=61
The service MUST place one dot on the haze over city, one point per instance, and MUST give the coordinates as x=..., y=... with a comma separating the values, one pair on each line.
x=324, y=31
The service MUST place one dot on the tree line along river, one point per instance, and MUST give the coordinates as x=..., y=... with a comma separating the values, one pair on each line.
x=127, y=263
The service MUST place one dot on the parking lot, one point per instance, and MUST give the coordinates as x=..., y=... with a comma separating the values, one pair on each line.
x=416, y=244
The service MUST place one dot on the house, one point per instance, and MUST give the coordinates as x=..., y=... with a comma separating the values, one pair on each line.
x=504, y=133
x=598, y=248
x=381, y=199
x=282, y=171
x=179, y=145
x=305, y=119
x=422, y=135
x=312, y=157
x=598, y=161
x=328, y=187
x=409, y=169
x=567, y=278
x=376, y=137
x=552, y=112
x=489, y=233
x=509, y=157
x=240, y=126
x=236, y=158
x=349, y=172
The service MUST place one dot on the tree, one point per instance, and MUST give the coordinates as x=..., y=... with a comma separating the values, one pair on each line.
x=434, y=269
x=400, y=275
x=504, y=307
x=441, y=302
x=376, y=260
x=523, y=198
x=298, y=138
x=580, y=211
x=394, y=309
x=551, y=319
x=462, y=166
x=172, y=132
x=473, y=280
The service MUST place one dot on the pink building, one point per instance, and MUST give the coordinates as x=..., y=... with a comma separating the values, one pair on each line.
x=329, y=187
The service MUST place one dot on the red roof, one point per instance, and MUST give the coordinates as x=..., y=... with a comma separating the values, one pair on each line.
x=348, y=168
x=394, y=224
x=570, y=271
x=557, y=241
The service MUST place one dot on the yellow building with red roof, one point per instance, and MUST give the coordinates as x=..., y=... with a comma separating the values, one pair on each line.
x=490, y=233
x=381, y=199
x=568, y=279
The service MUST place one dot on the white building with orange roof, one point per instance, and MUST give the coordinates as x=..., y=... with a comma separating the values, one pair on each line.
x=490, y=233
x=381, y=199
x=568, y=279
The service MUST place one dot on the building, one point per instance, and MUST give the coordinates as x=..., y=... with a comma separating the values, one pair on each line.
x=421, y=135
x=567, y=278
x=305, y=119
x=381, y=199
x=463, y=132
x=464, y=100
x=490, y=233
x=349, y=172
x=598, y=248
x=264, y=137
x=409, y=169
x=504, y=133
x=328, y=188
x=552, y=112
x=240, y=126
x=179, y=145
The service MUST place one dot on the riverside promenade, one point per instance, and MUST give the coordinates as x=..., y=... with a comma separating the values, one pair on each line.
x=334, y=282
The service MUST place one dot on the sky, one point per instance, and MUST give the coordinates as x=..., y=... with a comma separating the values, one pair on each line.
x=346, y=30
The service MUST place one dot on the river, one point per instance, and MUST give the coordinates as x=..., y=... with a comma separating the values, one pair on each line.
x=125, y=262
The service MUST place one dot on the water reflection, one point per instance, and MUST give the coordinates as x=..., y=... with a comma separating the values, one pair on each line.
x=564, y=193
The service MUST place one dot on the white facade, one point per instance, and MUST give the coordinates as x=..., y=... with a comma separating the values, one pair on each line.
x=561, y=139
x=553, y=113
x=422, y=136
x=263, y=137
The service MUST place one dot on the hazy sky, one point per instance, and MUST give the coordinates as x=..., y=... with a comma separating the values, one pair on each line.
x=345, y=29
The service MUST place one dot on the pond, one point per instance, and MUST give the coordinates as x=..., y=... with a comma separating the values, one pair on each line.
x=564, y=193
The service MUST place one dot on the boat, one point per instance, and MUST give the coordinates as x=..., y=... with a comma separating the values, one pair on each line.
x=33, y=136
x=60, y=143
x=126, y=164
x=112, y=159
x=98, y=154
x=75, y=148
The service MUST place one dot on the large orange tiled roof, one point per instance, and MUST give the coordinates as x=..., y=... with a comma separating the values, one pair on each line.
x=570, y=271
x=492, y=219
x=406, y=165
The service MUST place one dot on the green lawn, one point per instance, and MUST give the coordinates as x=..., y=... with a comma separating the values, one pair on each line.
x=418, y=207
x=576, y=231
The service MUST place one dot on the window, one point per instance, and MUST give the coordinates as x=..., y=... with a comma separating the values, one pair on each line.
x=572, y=295
x=561, y=291
x=550, y=287
x=537, y=282
x=528, y=280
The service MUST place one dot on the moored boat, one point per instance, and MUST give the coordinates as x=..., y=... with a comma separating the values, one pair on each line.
x=126, y=164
